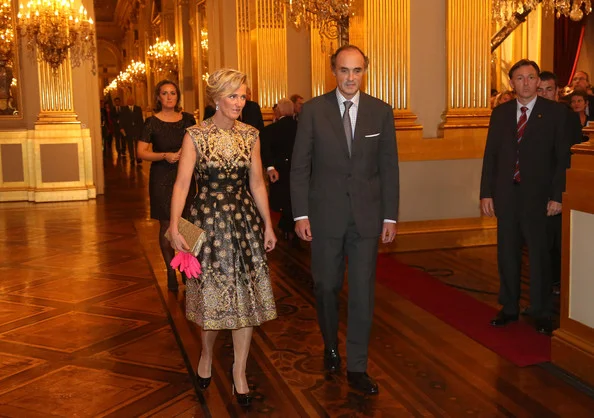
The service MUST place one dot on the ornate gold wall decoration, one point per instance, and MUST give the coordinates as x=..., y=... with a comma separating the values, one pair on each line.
x=468, y=34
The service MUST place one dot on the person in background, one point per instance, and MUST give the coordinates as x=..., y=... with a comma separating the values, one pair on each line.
x=234, y=290
x=504, y=97
x=278, y=140
x=298, y=104
x=107, y=127
x=117, y=132
x=131, y=125
x=549, y=89
x=161, y=143
x=251, y=113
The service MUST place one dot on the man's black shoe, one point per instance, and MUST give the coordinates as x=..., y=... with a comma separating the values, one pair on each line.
x=502, y=319
x=544, y=325
x=362, y=382
x=331, y=360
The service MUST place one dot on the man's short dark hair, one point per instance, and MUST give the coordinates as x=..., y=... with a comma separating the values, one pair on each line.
x=346, y=48
x=295, y=97
x=548, y=75
x=523, y=63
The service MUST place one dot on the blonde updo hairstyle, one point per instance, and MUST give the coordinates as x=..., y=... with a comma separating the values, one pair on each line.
x=223, y=82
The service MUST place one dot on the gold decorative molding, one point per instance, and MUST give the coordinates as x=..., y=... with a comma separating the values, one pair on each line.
x=244, y=42
x=55, y=94
x=468, y=32
x=320, y=50
x=271, y=53
x=389, y=76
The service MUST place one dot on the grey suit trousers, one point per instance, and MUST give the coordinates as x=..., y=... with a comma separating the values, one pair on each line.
x=328, y=267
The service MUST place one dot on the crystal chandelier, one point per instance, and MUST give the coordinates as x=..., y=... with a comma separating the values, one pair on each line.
x=163, y=57
x=6, y=32
x=504, y=10
x=134, y=73
x=330, y=16
x=113, y=86
x=54, y=28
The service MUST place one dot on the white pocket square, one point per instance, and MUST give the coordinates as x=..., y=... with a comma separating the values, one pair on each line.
x=372, y=135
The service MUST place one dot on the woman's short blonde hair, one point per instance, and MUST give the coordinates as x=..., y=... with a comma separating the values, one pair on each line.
x=286, y=107
x=224, y=82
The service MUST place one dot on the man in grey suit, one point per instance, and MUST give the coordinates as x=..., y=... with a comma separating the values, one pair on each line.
x=344, y=192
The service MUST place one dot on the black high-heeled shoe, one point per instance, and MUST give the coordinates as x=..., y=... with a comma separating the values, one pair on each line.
x=243, y=399
x=172, y=281
x=203, y=382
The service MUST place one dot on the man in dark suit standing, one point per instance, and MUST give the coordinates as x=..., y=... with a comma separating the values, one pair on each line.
x=549, y=89
x=345, y=191
x=523, y=178
x=131, y=124
x=251, y=113
x=277, y=141
x=117, y=131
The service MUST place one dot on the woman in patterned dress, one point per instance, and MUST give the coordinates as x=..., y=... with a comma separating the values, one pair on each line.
x=234, y=290
x=161, y=143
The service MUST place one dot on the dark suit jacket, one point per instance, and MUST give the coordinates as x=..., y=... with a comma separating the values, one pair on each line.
x=544, y=156
x=132, y=122
x=327, y=185
x=277, y=141
x=252, y=115
x=115, y=118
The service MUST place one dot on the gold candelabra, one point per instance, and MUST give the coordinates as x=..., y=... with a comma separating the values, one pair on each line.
x=55, y=28
x=163, y=57
x=6, y=32
x=504, y=10
x=113, y=86
x=330, y=16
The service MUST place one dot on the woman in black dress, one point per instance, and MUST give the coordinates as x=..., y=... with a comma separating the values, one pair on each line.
x=165, y=131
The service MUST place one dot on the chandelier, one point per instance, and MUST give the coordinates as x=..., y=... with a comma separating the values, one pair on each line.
x=134, y=73
x=6, y=32
x=113, y=86
x=54, y=28
x=163, y=57
x=504, y=10
x=331, y=17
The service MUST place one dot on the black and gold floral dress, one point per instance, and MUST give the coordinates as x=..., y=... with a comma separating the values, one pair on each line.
x=234, y=289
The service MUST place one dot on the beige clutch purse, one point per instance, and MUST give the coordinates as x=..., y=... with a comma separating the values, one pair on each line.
x=194, y=235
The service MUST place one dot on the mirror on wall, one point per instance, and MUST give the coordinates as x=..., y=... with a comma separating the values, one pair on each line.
x=10, y=105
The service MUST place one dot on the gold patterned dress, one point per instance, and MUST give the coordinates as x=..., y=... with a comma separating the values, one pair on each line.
x=234, y=289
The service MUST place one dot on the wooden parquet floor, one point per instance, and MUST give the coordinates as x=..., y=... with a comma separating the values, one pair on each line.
x=88, y=329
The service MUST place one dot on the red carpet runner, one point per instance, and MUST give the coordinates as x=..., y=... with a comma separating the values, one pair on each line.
x=518, y=342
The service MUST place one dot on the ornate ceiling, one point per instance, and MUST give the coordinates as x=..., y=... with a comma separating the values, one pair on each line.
x=105, y=10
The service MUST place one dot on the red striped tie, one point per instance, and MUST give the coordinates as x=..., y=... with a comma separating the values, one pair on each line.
x=520, y=133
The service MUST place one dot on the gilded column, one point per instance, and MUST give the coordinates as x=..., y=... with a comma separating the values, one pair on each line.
x=55, y=94
x=182, y=41
x=321, y=48
x=468, y=33
x=262, y=49
x=389, y=75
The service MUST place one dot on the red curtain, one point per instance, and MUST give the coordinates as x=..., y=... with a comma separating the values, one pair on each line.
x=569, y=36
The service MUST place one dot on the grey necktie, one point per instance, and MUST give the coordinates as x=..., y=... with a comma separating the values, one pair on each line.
x=346, y=123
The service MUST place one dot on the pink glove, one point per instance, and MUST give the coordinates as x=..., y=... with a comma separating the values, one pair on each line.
x=186, y=263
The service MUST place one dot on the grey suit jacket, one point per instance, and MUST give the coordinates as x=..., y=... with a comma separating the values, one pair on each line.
x=327, y=185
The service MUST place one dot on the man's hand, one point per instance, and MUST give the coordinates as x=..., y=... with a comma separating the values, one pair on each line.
x=272, y=175
x=487, y=206
x=388, y=232
x=303, y=229
x=554, y=208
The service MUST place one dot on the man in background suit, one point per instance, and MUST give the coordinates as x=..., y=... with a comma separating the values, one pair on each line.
x=251, y=113
x=581, y=82
x=117, y=132
x=277, y=141
x=131, y=125
x=523, y=178
x=549, y=89
x=345, y=191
